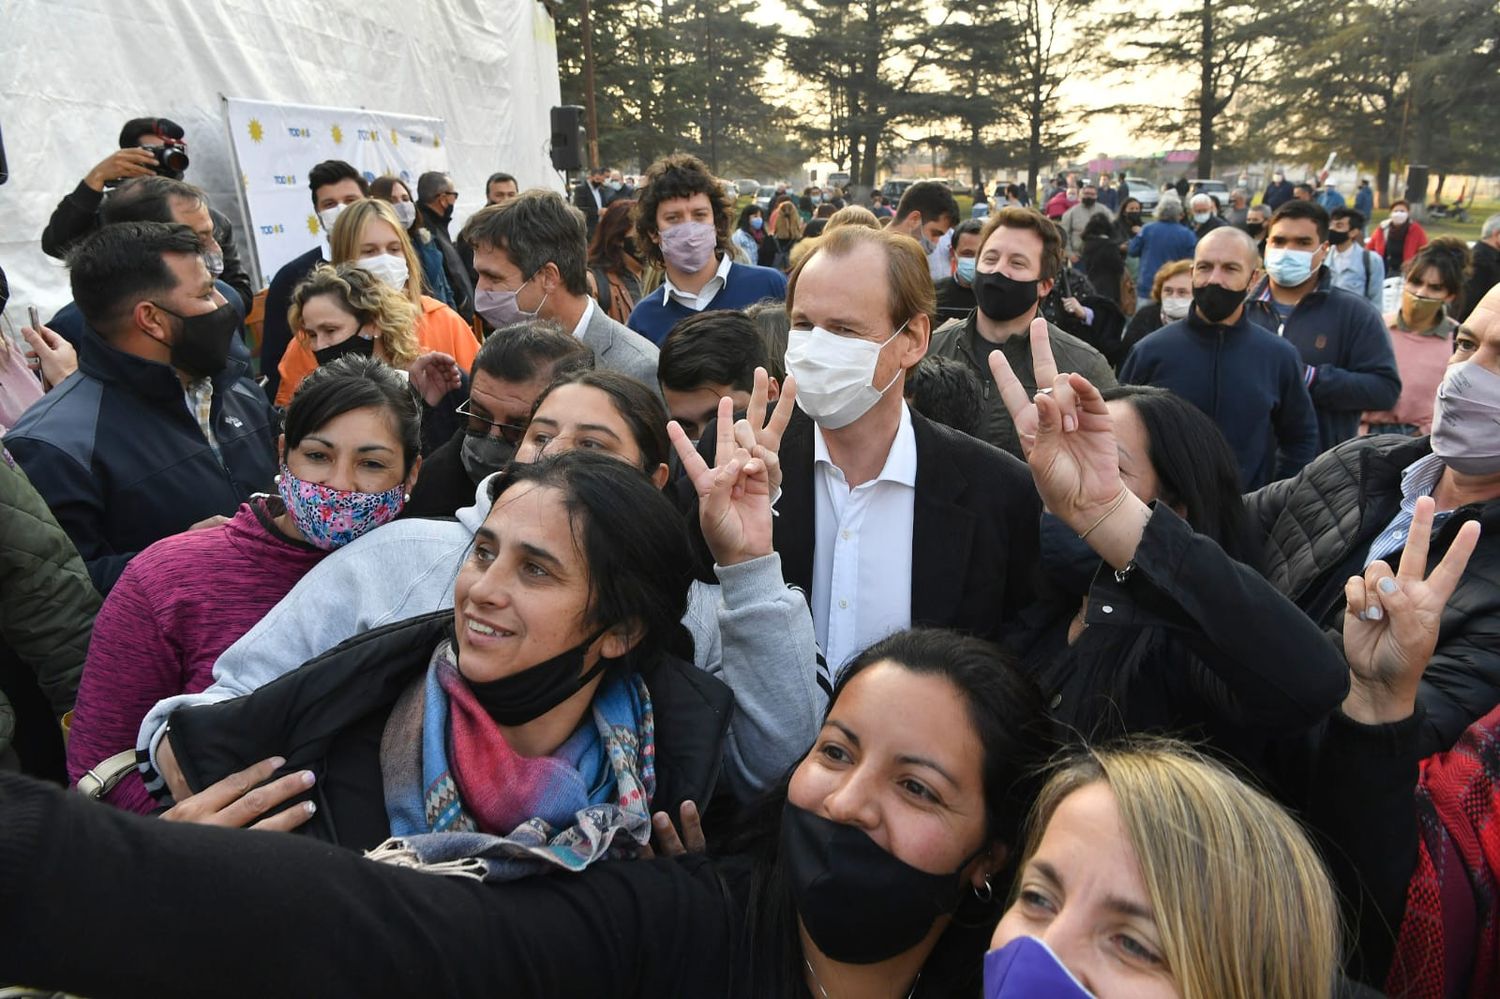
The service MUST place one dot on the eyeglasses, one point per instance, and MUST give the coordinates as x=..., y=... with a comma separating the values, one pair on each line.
x=511, y=432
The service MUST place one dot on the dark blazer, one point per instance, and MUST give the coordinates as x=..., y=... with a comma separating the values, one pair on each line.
x=974, y=530
x=583, y=198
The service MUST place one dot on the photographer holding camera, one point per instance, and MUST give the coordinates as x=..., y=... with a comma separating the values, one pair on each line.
x=147, y=146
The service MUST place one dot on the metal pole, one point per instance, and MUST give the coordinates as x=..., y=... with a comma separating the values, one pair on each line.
x=588, y=85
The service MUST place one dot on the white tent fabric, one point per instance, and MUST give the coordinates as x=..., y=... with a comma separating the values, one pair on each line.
x=73, y=71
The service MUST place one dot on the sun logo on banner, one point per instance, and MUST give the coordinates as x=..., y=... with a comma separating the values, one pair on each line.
x=245, y=181
x=338, y=135
x=313, y=228
x=257, y=131
x=395, y=137
x=436, y=142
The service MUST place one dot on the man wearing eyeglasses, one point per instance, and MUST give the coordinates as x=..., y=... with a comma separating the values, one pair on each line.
x=510, y=371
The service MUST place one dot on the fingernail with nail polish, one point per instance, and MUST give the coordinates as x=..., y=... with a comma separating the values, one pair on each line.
x=1374, y=614
x=1388, y=585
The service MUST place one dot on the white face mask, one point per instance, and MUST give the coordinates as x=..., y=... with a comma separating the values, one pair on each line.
x=1398, y=217
x=329, y=216
x=391, y=270
x=1176, y=308
x=406, y=212
x=835, y=375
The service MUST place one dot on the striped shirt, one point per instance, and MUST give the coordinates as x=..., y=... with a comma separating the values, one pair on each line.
x=1419, y=479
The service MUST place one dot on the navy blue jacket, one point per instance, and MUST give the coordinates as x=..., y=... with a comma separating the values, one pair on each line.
x=275, y=331
x=1248, y=381
x=1345, y=340
x=122, y=463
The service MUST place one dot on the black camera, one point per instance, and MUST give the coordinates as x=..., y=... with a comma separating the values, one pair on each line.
x=171, y=155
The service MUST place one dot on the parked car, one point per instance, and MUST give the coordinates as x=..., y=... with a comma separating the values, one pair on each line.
x=747, y=186
x=1143, y=191
x=892, y=189
x=1216, y=188
x=839, y=180
x=763, y=198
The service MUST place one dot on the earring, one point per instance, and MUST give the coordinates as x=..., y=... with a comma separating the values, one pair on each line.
x=408, y=498
x=276, y=478
x=987, y=893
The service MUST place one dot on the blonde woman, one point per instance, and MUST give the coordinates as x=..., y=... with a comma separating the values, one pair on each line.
x=786, y=229
x=370, y=236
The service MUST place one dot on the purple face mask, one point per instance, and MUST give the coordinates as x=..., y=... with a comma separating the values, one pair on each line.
x=1466, y=420
x=1027, y=967
x=689, y=246
x=331, y=518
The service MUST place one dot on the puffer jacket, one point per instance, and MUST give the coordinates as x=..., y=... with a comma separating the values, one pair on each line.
x=1319, y=526
x=47, y=608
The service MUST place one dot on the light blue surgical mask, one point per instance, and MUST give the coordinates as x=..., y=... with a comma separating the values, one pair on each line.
x=966, y=267
x=1288, y=268
x=757, y=222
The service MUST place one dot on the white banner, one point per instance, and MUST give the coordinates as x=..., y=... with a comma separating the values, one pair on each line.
x=274, y=145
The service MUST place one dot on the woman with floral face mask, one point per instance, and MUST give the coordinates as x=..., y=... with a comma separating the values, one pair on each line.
x=1421, y=334
x=434, y=278
x=348, y=460
x=369, y=235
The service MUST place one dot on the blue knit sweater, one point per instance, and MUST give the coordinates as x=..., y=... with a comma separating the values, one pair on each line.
x=654, y=316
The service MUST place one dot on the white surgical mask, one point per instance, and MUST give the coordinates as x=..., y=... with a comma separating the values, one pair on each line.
x=835, y=375
x=1176, y=308
x=1289, y=268
x=406, y=211
x=391, y=270
x=329, y=216
x=1201, y=217
x=1398, y=217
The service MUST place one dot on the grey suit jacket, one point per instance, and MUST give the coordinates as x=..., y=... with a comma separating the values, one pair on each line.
x=620, y=348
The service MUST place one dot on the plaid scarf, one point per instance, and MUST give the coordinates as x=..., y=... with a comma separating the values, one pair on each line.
x=461, y=801
x=1449, y=944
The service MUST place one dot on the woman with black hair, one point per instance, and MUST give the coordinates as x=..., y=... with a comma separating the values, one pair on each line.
x=349, y=458
x=1157, y=620
x=1101, y=260
x=874, y=872
x=614, y=263
x=750, y=236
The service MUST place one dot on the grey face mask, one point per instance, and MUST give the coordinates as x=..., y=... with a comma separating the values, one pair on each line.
x=483, y=455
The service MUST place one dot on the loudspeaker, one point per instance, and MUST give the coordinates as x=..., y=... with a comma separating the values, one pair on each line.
x=568, y=139
x=1416, y=184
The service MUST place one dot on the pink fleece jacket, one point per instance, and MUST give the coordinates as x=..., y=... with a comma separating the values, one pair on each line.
x=178, y=605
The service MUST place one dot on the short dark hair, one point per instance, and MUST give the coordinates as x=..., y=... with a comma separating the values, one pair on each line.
x=1354, y=215
x=964, y=228
x=331, y=172
x=130, y=135
x=637, y=405
x=717, y=347
x=535, y=228
x=116, y=266
x=678, y=176
x=1049, y=232
x=351, y=383
x=640, y=564
x=1303, y=186
x=431, y=184
x=775, y=327
x=1450, y=257
x=946, y=391
x=500, y=178
x=933, y=199
x=1296, y=209
x=523, y=352
x=148, y=199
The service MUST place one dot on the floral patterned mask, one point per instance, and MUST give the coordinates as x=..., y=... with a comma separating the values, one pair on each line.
x=331, y=518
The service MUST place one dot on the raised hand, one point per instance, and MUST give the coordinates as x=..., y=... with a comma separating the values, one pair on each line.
x=241, y=798
x=759, y=437
x=1022, y=410
x=434, y=374
x=1391, y=621
x=53, y=355
x=734, y=497
x=665, y=842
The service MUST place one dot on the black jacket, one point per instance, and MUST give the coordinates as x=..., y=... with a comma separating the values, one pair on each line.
x=1319, y=527
x=1483, y=276
x=77, y=215
x=954, y=301
x=443, y=486
x=275, y=331
x=122, y=463
x=1147, y=320
x=583, y=200
x=1189, y=640
x=328, y=716
x=974, y=527
x=453, y=264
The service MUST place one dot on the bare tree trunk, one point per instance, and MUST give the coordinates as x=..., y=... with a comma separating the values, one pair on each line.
x=1438, y=194
x=872, y=146
x=1206, y=95
x=1382, y=182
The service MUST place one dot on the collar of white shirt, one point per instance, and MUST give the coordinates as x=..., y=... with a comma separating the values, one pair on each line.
x=900, y=463
x=705, y=295
x=583, y=320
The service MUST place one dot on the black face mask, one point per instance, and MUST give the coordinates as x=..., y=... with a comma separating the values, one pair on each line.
x=859, y=903
x=527, y=695
x=1254, y=228
x=1067, y=559
x=1132, y=218
x=200, y=348
x=484, y=454
x=356, y=345
x=1217, y=303
x=1002, y=298
x=1089, y=202
x=1337, y=238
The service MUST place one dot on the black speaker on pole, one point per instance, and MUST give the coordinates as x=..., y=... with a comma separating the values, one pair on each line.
x=568, y=139
x=1416, y=184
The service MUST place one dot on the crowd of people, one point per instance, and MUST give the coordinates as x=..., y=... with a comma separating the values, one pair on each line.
x=625, y=594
